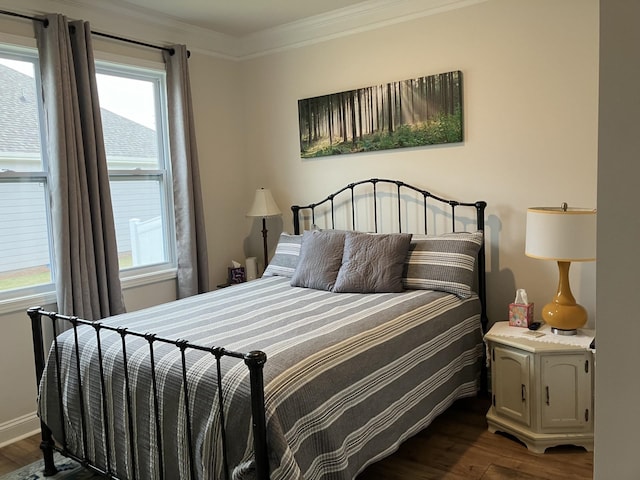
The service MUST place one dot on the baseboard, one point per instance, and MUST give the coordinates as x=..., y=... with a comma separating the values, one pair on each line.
x=19, y=428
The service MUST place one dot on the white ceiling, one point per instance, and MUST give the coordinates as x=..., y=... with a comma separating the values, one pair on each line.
x=240, y=18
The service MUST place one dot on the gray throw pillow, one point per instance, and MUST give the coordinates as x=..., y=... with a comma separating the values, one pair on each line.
x=372, y=263
x=320, y=260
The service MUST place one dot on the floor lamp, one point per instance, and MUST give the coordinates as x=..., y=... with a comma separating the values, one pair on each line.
x=264, y=206
x=565, y=235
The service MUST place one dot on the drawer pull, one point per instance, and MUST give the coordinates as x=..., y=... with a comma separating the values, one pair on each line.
x=523, y=390
x=547, y=389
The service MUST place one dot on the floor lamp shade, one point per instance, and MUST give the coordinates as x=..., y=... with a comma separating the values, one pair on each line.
x=565, y=235
x=264, y=206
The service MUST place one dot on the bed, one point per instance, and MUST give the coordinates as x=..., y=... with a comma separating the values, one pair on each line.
x=354, y=339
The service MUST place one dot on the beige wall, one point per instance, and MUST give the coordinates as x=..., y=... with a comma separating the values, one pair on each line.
x=530, y=72
x=618, y=389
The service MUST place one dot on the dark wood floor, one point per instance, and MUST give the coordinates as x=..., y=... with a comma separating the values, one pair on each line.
x=19, y=454
x=457, y=446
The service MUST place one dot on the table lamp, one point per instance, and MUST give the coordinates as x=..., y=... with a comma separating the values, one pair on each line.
x=264, y=206
x=566, y=235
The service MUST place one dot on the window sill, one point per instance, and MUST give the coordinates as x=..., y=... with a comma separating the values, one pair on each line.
x=148, y=278
x=21, y=304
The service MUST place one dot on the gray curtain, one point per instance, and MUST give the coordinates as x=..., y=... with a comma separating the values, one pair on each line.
x=191, y=241
x=86, y=256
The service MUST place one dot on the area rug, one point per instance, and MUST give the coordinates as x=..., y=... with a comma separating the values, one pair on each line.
x=67, y=469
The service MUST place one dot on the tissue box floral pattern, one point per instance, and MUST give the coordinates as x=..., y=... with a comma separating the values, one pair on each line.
x=520, y=315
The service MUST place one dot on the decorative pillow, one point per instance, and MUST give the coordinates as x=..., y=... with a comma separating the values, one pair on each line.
x=320, y=260
x=372, y=263
x=444, y=262
x=286, y=258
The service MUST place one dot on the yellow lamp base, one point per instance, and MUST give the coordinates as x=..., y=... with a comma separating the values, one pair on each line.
x=565, y=318
x=563, y=314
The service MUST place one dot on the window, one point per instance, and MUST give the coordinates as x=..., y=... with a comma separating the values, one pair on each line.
x=133, y=107
x=133, y=110
x=25, y=251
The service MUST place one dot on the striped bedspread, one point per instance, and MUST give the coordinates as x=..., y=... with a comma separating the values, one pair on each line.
x=348, y=378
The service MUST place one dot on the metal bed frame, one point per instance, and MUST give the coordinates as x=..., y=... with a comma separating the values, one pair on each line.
x=254, y=360
x=348, y=194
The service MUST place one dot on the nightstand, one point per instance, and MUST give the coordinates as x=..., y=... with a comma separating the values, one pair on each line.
x=542, y=386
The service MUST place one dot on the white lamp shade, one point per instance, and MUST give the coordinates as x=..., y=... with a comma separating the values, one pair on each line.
x=558, y=234
x=264, y=205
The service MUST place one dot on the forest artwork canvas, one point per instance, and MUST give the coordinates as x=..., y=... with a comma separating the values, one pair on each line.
x=410, y=113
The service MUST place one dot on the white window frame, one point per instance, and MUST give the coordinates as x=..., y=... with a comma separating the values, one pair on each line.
x=134, y=276
x=16, y=300
x=19, y=298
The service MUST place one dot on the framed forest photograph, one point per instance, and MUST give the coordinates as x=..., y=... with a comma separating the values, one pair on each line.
x=410, y=113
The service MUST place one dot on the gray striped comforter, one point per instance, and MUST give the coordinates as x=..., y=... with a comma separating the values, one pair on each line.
x=348, y=378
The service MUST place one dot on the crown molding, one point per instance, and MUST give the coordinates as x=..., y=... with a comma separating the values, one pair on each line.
x=165, y=28
x=120, y=18
x=350, y=20
x=117, y=18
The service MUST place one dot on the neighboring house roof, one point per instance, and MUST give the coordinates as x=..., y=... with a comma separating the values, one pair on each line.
x=20, y=133
x=126, y=138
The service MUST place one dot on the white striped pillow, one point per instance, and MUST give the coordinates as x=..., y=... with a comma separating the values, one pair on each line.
x=285, y=260
x=444, y=262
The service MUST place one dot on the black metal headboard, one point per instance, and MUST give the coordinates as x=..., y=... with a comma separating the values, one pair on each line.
x=347, y=198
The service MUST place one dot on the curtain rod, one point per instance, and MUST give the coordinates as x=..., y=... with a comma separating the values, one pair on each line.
x=100, y=34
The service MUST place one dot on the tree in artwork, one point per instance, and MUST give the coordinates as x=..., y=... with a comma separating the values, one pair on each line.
x=410, y=113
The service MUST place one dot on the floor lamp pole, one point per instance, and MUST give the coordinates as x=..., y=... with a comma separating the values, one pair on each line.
x=264, y=241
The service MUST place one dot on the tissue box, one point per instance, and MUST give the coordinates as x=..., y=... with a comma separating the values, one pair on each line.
x=520, y=314
x=236, y=275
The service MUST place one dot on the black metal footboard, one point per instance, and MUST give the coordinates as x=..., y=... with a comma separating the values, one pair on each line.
x=254, y=360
